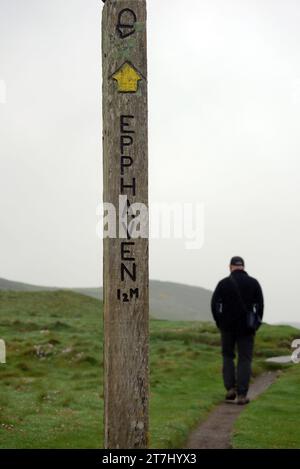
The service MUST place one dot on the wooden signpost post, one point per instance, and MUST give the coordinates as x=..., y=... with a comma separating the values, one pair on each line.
x=126, y=278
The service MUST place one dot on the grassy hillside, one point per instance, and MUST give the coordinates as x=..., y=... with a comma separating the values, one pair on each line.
x=51, y=389
x=168, y=300
x=272, y=421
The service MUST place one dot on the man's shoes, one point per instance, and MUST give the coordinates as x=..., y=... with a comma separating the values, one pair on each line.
x=230, y=395
x=243, y=400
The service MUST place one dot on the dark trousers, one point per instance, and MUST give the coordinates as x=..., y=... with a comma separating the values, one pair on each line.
x=237, y=378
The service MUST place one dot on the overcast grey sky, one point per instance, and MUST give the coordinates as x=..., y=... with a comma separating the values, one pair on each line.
x=224, y=88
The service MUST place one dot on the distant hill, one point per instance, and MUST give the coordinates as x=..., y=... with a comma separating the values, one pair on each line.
x=177, y=301
x=173, y=301
x=292, y=324
x=18, y=286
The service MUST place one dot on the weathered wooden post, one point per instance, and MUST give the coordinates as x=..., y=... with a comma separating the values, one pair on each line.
x=126, y=277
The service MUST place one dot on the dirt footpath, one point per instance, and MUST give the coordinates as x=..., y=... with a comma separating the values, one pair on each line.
x=215, y=432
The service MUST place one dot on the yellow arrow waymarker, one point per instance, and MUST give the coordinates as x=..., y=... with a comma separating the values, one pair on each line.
x=127, y=78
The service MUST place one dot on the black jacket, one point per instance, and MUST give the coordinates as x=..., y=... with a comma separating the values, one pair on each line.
x=226, y=304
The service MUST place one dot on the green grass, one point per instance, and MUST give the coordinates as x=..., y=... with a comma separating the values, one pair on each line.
x=51, y=389
x=272, y=421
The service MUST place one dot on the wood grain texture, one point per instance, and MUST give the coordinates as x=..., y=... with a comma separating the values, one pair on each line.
x=126, y=323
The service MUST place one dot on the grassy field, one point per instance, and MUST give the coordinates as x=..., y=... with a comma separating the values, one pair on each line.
x=272, y=421
x=51, y=389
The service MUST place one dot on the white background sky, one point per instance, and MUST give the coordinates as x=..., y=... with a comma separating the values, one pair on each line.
x=224, y=88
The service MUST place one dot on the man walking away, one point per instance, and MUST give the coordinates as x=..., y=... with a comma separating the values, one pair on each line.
x=237, y=306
